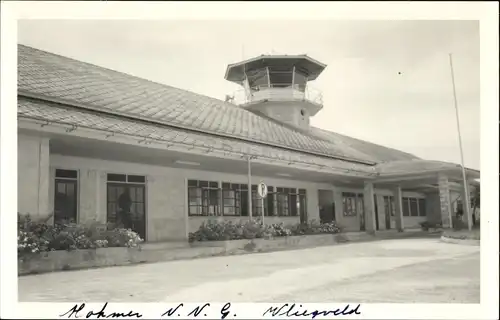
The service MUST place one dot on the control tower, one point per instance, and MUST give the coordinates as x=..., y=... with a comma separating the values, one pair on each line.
x=278, y=86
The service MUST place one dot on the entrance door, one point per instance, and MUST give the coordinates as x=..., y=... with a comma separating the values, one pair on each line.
x=65, y=202
x=376, y=212
x=126, y=206
x=326, y=206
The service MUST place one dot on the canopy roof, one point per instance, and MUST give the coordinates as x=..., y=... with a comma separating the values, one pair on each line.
x=306, y=65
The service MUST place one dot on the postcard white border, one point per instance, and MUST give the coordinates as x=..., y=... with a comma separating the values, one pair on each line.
x=486, y=12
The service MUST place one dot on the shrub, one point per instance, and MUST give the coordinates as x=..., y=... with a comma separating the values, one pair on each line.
x=228, y=230
x=122, y=238
x=251, y=229
x=330, y=227
x=315, y=227
x=279, y=230
x=39, y=236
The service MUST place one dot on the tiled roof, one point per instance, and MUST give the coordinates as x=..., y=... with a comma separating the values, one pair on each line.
x=50, y=112
x=376, y=152
x=397, y=167
x=53, y=77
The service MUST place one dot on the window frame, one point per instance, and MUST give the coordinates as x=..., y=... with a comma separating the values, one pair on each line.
x=302, y=200
x=204, y=195
x=356, y=205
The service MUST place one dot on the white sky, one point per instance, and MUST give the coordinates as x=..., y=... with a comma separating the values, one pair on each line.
x=364, y=96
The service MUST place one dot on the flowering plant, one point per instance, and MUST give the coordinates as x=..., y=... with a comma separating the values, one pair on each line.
x=34, y=237
x=315, y=227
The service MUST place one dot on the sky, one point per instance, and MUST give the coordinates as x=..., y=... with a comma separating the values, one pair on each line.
x=387, y=82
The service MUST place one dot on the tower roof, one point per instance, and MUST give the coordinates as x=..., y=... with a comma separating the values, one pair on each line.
x=310, y=67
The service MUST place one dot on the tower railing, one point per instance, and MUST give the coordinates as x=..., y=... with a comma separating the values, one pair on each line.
x=277, y=92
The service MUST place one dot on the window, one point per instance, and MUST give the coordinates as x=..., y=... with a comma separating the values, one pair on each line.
x=282, y=195
x=258, y=78
x=352, y=203
x=413, y=207
x=203, y=198
x=294, y=200
x=389, y=205
x=287, y=199
x=256, y=202
x=278, y=202
x=299, y=80
x=281, y=76
x=235, y=199
x=271, y=202
x=230, y=200
x=126, y=178
x=65, y=196
x=303, y=202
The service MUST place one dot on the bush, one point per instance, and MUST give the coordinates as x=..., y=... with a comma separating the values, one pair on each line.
x=279, y=230
x=228, y=230
x=314, y=227
x=39, y=236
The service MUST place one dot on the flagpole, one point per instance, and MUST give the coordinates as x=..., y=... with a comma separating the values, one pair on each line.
x=466, y=202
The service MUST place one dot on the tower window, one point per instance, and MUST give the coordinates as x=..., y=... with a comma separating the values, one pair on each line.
x=302, y=112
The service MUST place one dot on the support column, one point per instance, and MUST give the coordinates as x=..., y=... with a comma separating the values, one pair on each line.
x=445, y=200
x=368, y=196
x=381, y=211
x=33, y=182
x=89, y=198
x=249, y=187
x=398, y=204
x=467, y=217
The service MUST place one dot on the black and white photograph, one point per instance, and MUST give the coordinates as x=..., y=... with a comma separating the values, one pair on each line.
x=249, y=167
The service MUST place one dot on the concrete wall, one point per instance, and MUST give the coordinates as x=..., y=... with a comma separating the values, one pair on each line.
x=166, y=191
x=352, y=223
x=33, y=175
x=284, y=112
x=166, y=194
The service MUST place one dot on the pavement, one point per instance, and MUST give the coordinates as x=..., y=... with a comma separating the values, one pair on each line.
x=386, y=271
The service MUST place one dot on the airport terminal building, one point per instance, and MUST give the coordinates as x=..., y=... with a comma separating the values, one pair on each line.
x=89, y=136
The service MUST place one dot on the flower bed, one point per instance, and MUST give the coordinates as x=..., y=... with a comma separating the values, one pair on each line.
x=255, y=229
x=35, y=237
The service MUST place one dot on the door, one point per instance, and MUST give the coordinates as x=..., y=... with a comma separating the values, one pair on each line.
x=126, y=206
x=326, y=206
x=376, y=212
x=65, y=201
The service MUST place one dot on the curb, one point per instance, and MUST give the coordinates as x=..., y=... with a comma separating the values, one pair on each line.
x=466, y=242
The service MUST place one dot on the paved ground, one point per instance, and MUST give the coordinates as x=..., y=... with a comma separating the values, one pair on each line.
x=411, y=270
